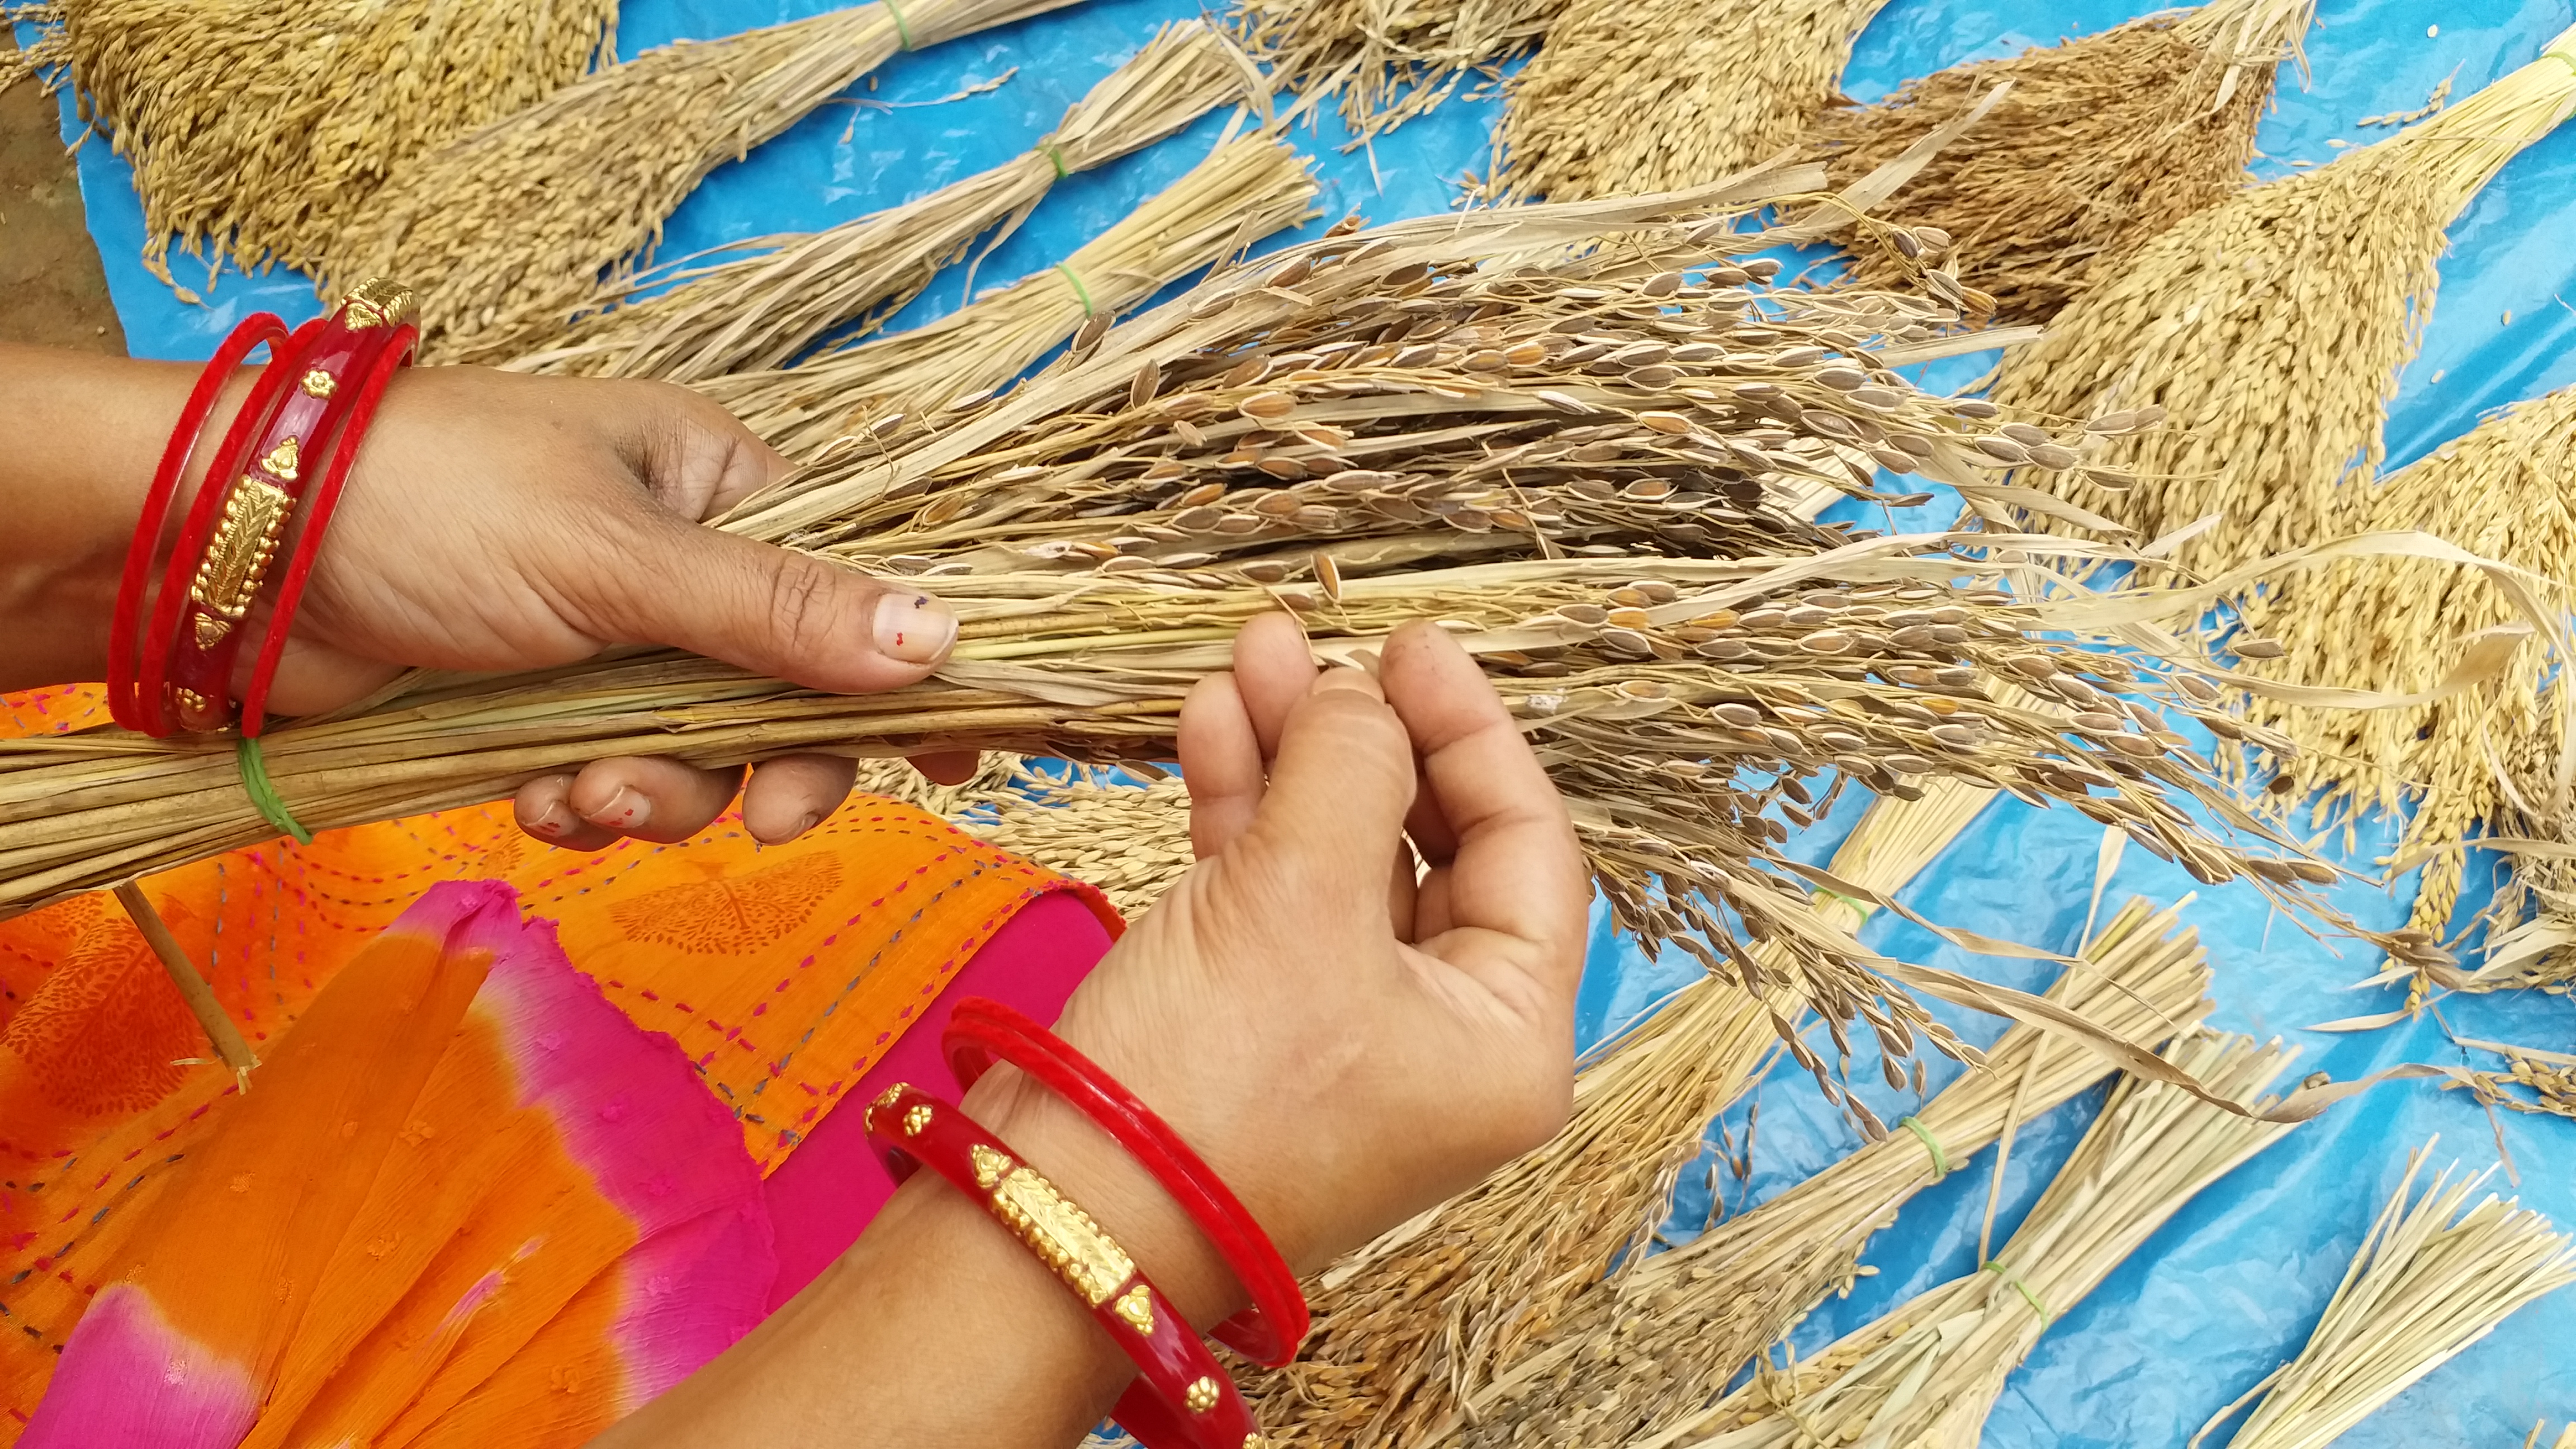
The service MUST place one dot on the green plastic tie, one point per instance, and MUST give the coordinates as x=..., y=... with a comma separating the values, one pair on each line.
x=1055, y=154
x=1855, y=902
x=902, y=31
x=1931, y=1144
x=1079, y=290
x=2018, y=1286
x=263, y=792
x=2566, y=56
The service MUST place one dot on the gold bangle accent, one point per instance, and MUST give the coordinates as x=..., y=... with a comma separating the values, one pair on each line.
x=283, y=460
x=379, y=302
x=1062, y=1235
x=916, y=1119
x=990, y=1166
x=1136, y=1306
x=320, y=383
x=228, y=578
x=1202, y=1396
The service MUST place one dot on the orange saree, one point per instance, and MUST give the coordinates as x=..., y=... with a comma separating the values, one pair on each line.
x=475, y=1242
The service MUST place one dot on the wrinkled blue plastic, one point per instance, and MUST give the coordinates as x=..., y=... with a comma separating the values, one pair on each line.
x=2233, y=1285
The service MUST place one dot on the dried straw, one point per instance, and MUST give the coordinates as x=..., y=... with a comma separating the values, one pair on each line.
x=2550, y=1078
x=248, y=137
x=1647, y=1351
x=2101, y=143
x=2429, y=1280
x=2271, y=328
x=1625, y=99
x=1391, y=60
x=508, y=232
x=1569, y=457
x=1930, y=1371
x=2506, y=492
x=1245, y=190
x=760, y=311
x=1415, y=1324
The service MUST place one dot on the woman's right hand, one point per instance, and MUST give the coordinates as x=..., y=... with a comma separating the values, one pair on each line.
x=1344, y=1044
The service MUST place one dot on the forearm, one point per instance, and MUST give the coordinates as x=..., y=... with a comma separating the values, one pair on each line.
x=85, y=434
x=938, y=1327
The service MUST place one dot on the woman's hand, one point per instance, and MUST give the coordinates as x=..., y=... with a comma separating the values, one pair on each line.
x=1345, y=1045
x=499, y=522
x=493, y=522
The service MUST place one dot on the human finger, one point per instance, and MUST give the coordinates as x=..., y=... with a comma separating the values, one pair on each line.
x=1516, y=868
x=1273, y=669
x=651, y=797
x=1221, y=760
x=543, y=814
x=794, y=793
x=770, y=610
x=1339, y=786
x=948, y=767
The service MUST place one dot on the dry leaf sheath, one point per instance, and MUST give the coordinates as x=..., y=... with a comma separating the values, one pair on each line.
x=2271, y=329
x=1642, y=1352
x=508, y=232
x=1929, y=1372
x=2505, y=492
x=2102, y=143
x=2431, y=1278
x=247, y=138
x=1568, y=457
x=1245, y=190
x=761, y=311
x=1627, y=98
x=1428, y=1314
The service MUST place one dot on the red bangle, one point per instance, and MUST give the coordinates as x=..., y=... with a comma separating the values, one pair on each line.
x=305, y=417
x=1181, y=1398
x=124, y=647
x=981, y=1030
x=394, y=356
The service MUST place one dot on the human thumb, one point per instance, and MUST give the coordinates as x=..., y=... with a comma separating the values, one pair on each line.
x=779, y=612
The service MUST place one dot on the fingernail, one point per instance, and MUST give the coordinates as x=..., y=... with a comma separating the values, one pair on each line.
x=914, y=628
x=628, y=809
x=555, y=820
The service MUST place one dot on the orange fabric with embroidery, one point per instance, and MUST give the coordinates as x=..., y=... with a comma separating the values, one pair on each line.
x=782, y=972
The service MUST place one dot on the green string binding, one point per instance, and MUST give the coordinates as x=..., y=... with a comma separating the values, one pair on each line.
x=902, y=31
x=2567, y=57
x=1079, y=290
x=1055, y=155
x=1931, y=1144
x=2018, y=1286
x=1857, y=904
x=263, y=792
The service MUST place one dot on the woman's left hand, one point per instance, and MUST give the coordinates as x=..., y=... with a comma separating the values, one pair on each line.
x=501, y=522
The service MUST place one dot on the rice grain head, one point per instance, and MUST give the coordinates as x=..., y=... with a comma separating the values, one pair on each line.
x=1628, y=100
x=1390, y=60
x=507, y=233
x=2101, y=143
x=248, y=139
x=2270, y=330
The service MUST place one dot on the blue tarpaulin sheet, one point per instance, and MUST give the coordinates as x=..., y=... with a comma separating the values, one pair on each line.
x=2231, y=1287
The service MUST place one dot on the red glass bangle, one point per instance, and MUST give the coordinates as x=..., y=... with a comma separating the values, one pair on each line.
x=307, y=401
x=152, y=688
x=1181, y=1398
x=124, y=644
x=981, y=1030
x=394, y=356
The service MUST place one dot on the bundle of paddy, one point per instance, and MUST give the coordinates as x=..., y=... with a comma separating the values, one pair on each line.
x=1929, y=1372
x=2101, y=143
x=2505, y=493
x=1246, y=189
x=1391, y=60
x=259, y=128
x=2270, y=328
x=1130, y=840
x=2429, y=1280
x=1407, y=1328
x=505, y=234
x=1627, y=99
x=760, y=311
x=1567, y=456
x=1647, y=1350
